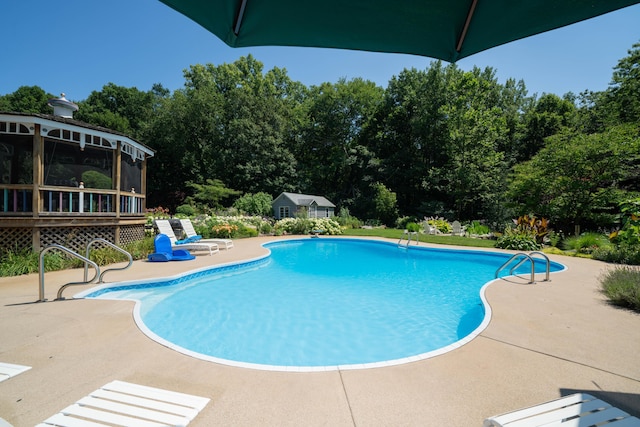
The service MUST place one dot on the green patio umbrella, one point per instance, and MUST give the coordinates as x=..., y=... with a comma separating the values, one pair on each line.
x=443, y=29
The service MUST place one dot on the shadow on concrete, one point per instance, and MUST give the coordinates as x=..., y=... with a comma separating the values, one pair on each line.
x=628, y=402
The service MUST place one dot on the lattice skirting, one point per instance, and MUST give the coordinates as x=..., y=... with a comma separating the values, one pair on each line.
x=74, y=238
x=15, y=239
x=131, y=233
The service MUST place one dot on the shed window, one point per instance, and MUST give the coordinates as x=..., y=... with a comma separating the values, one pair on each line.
x=284, y=211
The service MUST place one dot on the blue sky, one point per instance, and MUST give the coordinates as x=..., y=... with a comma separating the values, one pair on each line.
x=78, y=46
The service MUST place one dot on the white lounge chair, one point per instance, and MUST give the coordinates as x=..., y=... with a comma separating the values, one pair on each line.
x=8, y=370
x=164, y=227
x=126, y=404
x=187, y=226
x=576, y=410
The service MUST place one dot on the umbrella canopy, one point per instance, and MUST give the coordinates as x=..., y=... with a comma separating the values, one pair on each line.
x=443, y=29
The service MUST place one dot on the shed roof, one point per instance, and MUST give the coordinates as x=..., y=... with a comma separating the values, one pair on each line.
x=308, y=200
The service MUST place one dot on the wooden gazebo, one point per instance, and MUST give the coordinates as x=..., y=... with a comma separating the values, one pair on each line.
x=67, y=182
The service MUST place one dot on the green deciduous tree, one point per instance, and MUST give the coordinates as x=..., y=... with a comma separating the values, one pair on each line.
x=209, y=195
x=127, y=110
x=244, y=124
x=334, y=160
x=409, y=132
x=550, y=115
x=624, y=90
x=27, y=99
x=230, y=122
x=575, y=179
x=475, y=170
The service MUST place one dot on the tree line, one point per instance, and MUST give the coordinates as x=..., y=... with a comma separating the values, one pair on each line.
x=435, y=142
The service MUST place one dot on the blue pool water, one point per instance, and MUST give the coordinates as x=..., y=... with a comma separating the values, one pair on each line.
x=321, y=303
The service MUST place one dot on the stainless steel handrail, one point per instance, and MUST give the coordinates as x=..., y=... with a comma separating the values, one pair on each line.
x=108, y=243
x=548, y=269
x=63, y=287
x=409, y=234
x=518, y=255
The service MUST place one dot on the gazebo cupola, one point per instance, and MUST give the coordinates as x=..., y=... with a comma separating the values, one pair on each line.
x=62, y=107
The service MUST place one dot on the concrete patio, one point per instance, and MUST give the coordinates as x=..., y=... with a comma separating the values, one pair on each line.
x=544, y=341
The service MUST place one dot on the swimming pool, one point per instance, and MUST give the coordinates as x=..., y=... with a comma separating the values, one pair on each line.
x=320, y=304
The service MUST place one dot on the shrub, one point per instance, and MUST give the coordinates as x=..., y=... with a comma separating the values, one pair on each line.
x=141, y=248
x=622, y=286
x=477, y=228
x=627, y=239
x=630, y=232
x=26, y=261
x=621, y=254
x=20, y=262
x=345, y=219
x=293, y=225
x=386, y=204
x=538, y=227
x=15, y=263
x=255, y=204
x=554, y=238
x=186, y=210
x=225, y=231
x=401, y=223
x=266, y=228
x=441, y=224
x=519, y=240
x=105, y=255
x=306, y=225
x=156, y=213
x=412, y=226
x=586, y=243
x=240, y=226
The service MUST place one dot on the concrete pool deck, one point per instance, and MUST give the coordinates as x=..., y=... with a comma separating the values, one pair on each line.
x=544, y=341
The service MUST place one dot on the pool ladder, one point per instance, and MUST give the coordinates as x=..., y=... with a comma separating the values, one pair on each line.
x=522, y=258
x=408, y=234
x=86, y=261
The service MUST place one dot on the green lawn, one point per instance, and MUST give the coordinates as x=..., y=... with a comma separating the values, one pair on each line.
x=393, y=233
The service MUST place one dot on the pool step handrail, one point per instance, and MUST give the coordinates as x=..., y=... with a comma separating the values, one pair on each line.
x=547, y=262
x=531, y=254
x=408, y=235
x=108, y=243
x=41, y=297
x=523, y=257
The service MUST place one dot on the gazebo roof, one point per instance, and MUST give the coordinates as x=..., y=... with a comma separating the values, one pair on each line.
x=49, y=122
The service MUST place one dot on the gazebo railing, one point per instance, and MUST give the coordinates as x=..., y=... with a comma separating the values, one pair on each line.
x=18, y=199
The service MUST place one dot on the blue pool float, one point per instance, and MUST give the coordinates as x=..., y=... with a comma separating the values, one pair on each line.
x=164, y=252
